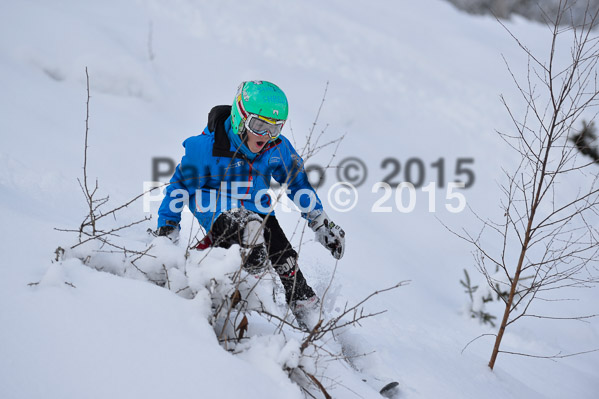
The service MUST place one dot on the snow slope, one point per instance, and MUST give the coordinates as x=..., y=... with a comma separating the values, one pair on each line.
x=406, y=80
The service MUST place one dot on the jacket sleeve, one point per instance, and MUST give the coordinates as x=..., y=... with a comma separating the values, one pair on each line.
x=291, y=172
x=183, y=185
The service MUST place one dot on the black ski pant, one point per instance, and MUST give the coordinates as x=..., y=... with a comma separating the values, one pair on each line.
x=229, y=228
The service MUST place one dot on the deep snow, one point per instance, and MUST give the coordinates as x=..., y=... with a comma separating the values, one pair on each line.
x=406, y=80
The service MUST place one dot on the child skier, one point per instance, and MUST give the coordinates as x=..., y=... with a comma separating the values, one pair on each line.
x=224, y=177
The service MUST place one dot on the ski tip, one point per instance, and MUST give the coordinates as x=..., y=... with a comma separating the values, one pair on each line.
x=390, y=390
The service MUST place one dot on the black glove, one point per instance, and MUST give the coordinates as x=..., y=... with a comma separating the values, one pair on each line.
x=168, y=231
x=329, y=234
x=164, y=231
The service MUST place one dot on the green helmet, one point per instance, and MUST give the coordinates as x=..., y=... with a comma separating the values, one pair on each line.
x=259, y=98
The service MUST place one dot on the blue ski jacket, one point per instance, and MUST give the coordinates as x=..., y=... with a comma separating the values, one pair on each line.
x=216, y=175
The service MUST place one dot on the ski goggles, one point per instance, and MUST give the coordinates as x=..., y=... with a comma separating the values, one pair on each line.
x=262, y=126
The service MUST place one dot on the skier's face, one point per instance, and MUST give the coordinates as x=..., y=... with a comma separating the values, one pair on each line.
x=256, y=143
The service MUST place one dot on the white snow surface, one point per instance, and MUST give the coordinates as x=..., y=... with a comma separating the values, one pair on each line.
x=406, y=79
